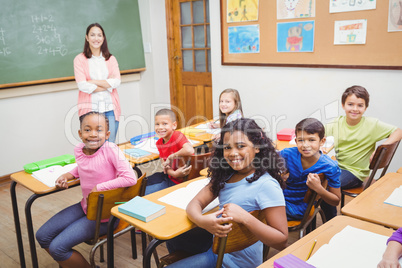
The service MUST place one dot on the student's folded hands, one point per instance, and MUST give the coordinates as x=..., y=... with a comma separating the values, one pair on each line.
x=218, y=226
x=235, y=212
x=182, y=171
x=314, y=182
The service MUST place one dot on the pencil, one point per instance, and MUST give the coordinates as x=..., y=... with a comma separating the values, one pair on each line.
x=116, y=203
x=311, y=250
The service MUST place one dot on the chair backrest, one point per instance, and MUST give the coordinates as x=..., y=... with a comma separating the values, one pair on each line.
x=381, y=159
x=198, y=163
x=99, y=204
x=312, y=199
x=111, y=196
x=239, y=238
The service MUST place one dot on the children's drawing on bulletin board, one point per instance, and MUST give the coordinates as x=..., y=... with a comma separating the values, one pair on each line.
x=351, y=5
x=395, y=16
x=350, y=32
x=244, y=39
x=295, y=36
x=290, y=9
x=242, y=10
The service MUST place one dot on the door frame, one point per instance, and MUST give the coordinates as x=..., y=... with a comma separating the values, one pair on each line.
x=174, y=73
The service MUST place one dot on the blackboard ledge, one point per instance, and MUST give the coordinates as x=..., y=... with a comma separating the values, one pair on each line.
x=53, y=87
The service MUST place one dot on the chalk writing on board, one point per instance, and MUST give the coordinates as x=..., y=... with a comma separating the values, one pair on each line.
x=4, y=49
x=47, y=40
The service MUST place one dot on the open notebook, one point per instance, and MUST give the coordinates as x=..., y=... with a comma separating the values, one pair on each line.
x=50, y=174
x=208, y=130
x=395, y=198
x=181, y=197
x=351, y=248
x=149, y=145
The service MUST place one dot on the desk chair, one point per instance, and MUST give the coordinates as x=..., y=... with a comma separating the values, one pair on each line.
x=99, y=206
x=239, y=238
x=198, y=163
x=308, y=222
x=382, y=159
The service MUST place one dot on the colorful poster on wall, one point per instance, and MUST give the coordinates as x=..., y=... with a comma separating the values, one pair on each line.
x=242, y=10
x=244, y=39
x=295, y=36
x=395, y=16
x=351, y=5
x=350, y=32
x=290, y=9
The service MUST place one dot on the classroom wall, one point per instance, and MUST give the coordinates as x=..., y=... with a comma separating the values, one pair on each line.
x=280, y=97
x=41, y=126
x=33, y=127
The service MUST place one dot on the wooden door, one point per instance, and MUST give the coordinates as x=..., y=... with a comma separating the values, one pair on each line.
x=189, y=60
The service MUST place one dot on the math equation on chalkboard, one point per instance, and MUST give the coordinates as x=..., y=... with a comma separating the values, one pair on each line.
x=47, y=39
x=4, y=49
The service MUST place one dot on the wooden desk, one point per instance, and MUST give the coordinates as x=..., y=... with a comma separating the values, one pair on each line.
x=39, y=189
x=135, y=161
x=204, y=137
x=323, y=234
x=173, y=223
x=370, y=206
x=280, y=145
x=204, y=172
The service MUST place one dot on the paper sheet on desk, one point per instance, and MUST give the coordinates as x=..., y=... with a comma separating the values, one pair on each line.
x=351, y=248
x=193, y=141
x=148, y=145
x=181, y=197
x=205, y=127
x=395, y=198
x=50, y=174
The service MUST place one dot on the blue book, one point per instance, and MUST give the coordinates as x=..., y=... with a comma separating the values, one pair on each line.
x=142, y=209
x=135, y=152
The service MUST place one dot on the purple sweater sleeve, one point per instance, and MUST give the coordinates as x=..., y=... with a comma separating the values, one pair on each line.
x=396, y=236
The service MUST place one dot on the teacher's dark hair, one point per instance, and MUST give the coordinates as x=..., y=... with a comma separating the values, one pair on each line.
x=104, y=49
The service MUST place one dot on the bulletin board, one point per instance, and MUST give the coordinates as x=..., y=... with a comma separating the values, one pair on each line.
x=382, y=50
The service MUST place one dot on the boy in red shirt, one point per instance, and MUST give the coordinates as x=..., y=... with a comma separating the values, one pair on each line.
x=172, y=147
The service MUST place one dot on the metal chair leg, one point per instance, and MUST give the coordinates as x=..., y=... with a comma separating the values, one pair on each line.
x=133, y=244
x=101, y=253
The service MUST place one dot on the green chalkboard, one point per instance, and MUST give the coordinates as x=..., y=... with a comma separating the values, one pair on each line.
x=40, y=38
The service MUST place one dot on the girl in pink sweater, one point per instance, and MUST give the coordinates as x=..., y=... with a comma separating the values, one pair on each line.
x=100, y=166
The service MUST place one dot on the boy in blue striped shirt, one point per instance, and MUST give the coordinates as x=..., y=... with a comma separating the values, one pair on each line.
x=303, y=163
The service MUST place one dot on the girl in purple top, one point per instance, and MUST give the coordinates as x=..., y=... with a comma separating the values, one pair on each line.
x=391, y=256
x=100, y=166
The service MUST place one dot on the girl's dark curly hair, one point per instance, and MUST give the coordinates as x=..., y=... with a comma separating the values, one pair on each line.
x=267, y=160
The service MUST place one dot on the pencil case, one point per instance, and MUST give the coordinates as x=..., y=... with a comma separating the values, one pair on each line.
x=286, y=134
x=291, y=261
x=135, y=139
x=61, y=160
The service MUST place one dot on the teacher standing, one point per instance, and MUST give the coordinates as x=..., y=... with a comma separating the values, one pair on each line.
x=97, y=75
